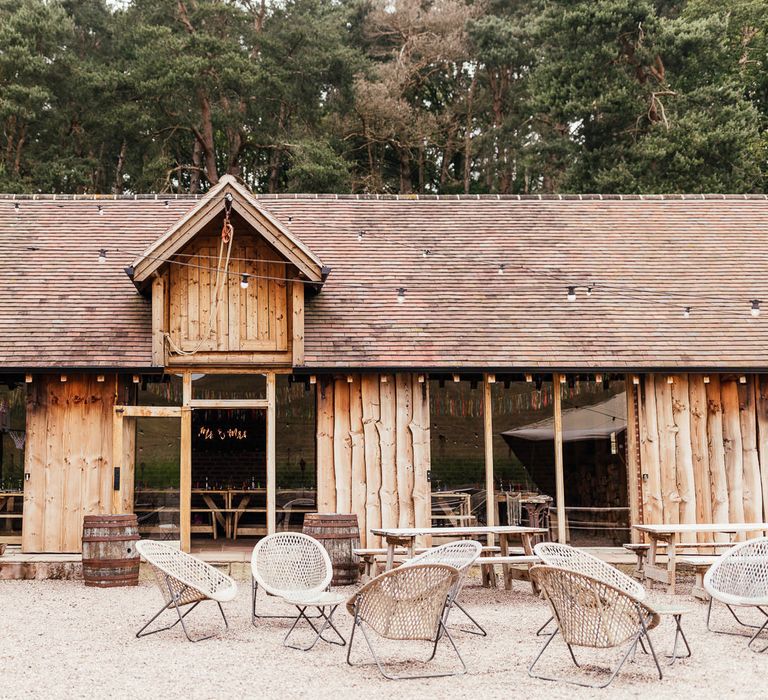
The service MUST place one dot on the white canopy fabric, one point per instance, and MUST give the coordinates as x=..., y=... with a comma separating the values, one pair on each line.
x=593, y=422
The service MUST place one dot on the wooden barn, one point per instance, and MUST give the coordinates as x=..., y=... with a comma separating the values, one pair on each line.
x=222, y=365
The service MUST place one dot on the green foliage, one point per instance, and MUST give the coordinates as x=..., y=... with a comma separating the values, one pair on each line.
x=384, y=95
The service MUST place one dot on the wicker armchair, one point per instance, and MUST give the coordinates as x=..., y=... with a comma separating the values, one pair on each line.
x=184, y=580
x=739, y=578
x=296, y=567
x=408, y=603
x=593, y=614
x=566, y=557
x=460, y=555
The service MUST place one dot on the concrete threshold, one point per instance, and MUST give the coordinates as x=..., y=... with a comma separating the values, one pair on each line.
x=15, y=565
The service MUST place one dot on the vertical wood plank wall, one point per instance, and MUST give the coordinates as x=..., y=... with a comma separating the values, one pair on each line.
x=373, y=450
x=704, y=448
x=69, y=459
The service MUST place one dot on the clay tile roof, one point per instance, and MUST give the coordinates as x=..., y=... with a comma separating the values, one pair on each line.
x=647, y=256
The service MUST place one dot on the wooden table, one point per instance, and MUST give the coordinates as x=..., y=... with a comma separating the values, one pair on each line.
x=406, y=537
x=442, y=506
x=669, y=534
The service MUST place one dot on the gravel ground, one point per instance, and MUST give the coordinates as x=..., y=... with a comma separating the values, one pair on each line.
x=60, y=639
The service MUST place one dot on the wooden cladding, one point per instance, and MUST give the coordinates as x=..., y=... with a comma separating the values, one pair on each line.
x=373, y=450
x=68, y=460
x=251, y=319
x=211, y=318
x=704, y=448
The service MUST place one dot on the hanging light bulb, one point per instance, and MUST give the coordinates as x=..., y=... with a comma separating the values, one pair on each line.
x=426, y=253
x=102, y=256
x=16, y=208
x=589, y=291
x=501, y=268
x=687, y=312
x=401, y=295
x=571, y=294
x=101, y=210
x=244, y=281
x=360, y=235
x=755, y=307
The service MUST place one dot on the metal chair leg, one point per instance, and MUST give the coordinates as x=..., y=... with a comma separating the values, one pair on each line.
x=540, y=632
x=755, y=636
x=479, y=629
x=256, y=616
x=327, y=622
x=442, y=631
x=174, y=603
x=613, y=673
x=758, y=628
x=679, y=634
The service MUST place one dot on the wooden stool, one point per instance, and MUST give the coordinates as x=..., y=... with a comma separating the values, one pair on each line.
x=676, y=612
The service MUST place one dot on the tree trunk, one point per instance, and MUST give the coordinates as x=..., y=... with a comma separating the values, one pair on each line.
x=205, y=136
x=406, y=186
x=197, y=162
x=118, y=187
x=468, y=136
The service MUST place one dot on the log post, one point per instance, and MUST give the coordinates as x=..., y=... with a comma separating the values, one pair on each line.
x=753, y=492
x=734, y=465
x=359, y=491
x=326, y=481
x=632, y=459
x=490, y=492
x=371, y=415
x=762, y=438
x=716, y=450
x=390, y=512
x=686, y=481
x=422, y=504
x=404, y=450
x=700, y=452
x=557, y=390
x=653, y=503
x=667, y=440
x=342, y=446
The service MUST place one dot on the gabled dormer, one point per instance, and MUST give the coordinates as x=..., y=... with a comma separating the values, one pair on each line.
x=228, y=283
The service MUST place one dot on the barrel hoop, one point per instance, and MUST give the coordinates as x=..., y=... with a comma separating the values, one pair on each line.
x=112, y=583
x=111, y=563
x=332, y=536
x=112, y=538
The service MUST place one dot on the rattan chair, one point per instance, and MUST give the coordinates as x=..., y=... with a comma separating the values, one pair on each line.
x=460, y=555
x=593, y=614
x=408, y=604
x=296, y=568
x=184, y=580
x=739, y=578
x=567, y=557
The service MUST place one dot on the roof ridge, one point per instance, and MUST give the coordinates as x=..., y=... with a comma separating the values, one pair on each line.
x=396, y=197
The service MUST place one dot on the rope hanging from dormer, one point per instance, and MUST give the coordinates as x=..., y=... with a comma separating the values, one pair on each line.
x=222, y=271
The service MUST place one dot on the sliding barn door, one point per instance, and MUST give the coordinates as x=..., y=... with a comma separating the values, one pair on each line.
x=68, y=458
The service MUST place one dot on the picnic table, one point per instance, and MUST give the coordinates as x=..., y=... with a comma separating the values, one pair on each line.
x=406, y=537
x=669, y=534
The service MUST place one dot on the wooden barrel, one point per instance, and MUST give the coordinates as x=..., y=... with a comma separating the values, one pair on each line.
x=339, y=534
x=109, y=550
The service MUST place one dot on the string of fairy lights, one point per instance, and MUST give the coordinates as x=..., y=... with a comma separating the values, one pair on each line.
x=572, y=284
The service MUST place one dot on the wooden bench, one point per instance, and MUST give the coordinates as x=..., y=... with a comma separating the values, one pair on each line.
x=530, y=559
x=489, y=574
x=641, y=551
x=700, y=565
x=370, y=556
